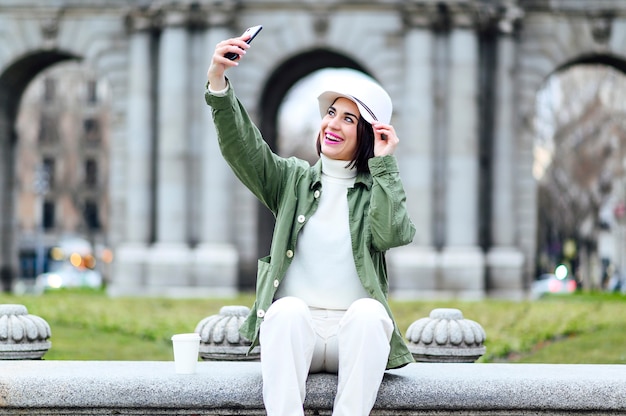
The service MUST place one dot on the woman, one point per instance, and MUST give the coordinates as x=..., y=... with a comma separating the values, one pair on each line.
x=321, y=293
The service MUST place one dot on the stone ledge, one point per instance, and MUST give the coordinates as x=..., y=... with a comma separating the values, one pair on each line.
x=234, y=388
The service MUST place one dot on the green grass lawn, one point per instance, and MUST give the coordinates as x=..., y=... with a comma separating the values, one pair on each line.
x=584, y=328
x=603, y=346
x=88, y=325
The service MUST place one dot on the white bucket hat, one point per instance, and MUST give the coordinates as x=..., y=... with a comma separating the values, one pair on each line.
x=372, y=100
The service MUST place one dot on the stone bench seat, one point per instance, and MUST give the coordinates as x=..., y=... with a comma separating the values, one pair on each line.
x=234, y=388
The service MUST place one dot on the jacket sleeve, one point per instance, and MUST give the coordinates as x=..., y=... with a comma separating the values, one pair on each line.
x=244, y=149
x=389, y=220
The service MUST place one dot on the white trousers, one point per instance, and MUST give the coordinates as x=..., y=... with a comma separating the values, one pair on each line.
x=297, y=340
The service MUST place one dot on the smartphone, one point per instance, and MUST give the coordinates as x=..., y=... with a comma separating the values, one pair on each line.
x=252, y=31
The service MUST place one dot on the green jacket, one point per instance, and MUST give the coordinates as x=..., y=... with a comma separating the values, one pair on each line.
x=290, y=188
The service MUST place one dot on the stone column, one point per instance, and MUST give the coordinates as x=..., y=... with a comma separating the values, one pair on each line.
x=216, y=184
x=413, y=268
x=8, y=248
x=172, y=129
x=132, y=253
x=462, y=259
x=140, y=132
x=170, y=256
x=215, y=257
x=504, y=260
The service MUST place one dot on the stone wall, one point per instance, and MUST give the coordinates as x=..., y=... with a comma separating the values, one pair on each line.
x=234, y=388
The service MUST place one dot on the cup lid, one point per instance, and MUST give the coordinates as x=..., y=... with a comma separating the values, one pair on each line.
x=186, y=337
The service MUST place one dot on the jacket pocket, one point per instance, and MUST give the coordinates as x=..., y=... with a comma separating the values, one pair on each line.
x=264, y=268
x=264, y=286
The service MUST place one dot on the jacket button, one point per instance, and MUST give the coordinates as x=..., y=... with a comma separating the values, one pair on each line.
x=316, y=194
x=276, y=283
x=289, y=253
x=301, y=218
x=260, y=313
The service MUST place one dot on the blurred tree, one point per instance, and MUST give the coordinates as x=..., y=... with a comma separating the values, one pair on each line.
x=579, y=152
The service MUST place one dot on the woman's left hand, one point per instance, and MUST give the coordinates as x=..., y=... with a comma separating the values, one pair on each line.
x=385, y=139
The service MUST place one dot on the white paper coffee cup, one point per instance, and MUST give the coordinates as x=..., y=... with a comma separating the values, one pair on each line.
x=186, y=348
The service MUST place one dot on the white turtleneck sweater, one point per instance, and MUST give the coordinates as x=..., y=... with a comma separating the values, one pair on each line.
x=322, y=272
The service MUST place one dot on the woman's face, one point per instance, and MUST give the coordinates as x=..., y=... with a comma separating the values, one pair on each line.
x=338, y=130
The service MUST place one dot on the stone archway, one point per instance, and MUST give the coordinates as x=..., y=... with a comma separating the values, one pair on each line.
x=36, y=38
x=13, y=82
x=549, y=42
x=427, y=55
x=581, y=142
x=286, y=75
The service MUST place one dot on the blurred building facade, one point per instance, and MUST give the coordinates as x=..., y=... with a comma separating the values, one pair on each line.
x=463, y=75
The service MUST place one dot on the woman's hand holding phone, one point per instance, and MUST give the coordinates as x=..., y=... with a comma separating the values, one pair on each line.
x=226, y=55
x=249, y=34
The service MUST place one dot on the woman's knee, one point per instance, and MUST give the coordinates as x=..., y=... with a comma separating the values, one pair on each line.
x=288, y=308
x=288, y=318
x=367, y=307
x=366, y=312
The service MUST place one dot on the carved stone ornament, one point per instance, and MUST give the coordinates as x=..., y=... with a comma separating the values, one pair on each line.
x=446, y=337
x=220, y=339
x=50, y=28
x=601, y=28
x=22, y=336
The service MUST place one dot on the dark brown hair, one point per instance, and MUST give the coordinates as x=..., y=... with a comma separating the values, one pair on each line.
x=364, y=150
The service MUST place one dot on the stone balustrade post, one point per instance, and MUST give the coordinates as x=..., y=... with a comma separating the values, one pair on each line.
x=220, y=339
x=22, y=336
x=445, y=336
